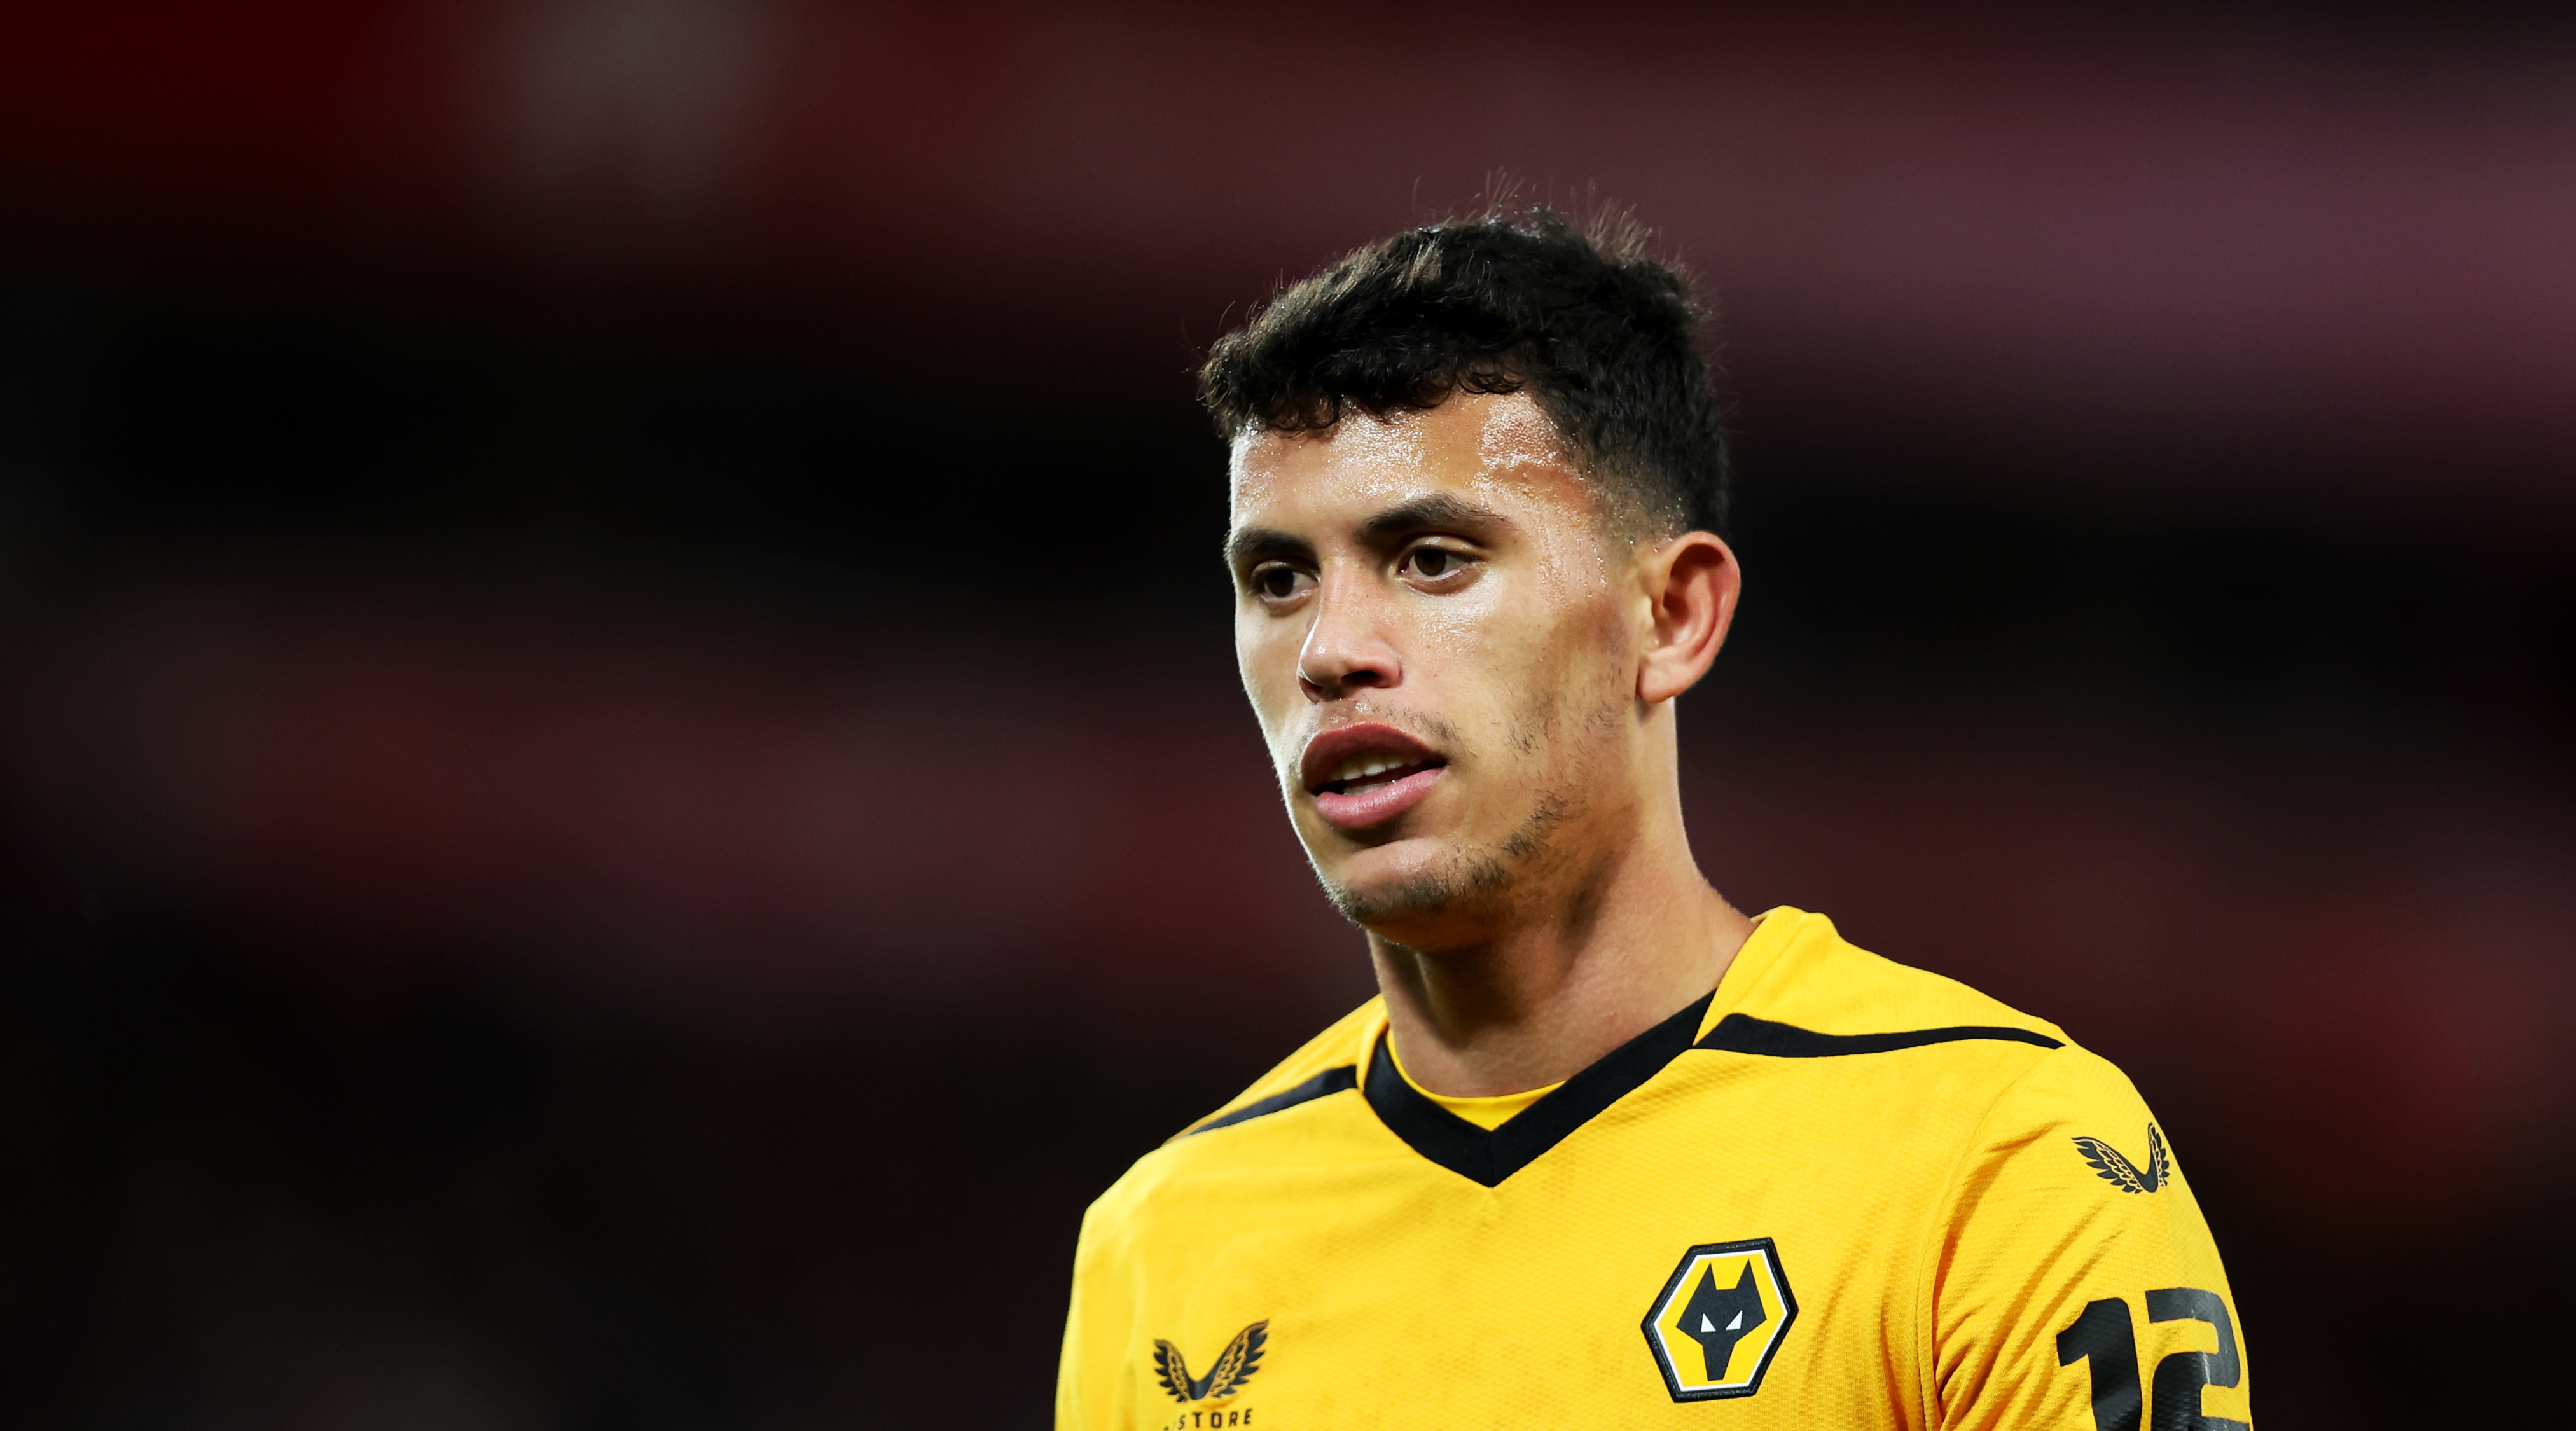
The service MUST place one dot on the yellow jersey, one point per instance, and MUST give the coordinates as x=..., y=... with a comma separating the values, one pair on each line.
x=1835, y=1192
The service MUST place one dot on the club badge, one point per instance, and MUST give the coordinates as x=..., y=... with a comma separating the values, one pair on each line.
x=1720, y=1318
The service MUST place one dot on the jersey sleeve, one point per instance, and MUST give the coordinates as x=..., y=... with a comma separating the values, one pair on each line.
x=2075, y=1284
x=1089, y=1393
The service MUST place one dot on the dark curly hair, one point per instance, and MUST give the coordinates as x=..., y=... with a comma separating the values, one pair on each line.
x=1597, y=330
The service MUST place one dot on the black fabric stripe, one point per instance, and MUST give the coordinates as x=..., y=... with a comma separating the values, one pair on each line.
x=1331, y=1080
x=1743, y=1033
x=1488, y=1158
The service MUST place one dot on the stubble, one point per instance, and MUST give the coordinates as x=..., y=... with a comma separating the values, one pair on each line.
x=1486, y=882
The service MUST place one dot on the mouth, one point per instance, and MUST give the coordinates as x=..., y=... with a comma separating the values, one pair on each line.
x=1366, y=775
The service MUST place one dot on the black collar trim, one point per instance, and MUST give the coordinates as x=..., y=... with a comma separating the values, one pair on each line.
x=1743, y=1033
x=1331, y=1080
x=1489, y=1157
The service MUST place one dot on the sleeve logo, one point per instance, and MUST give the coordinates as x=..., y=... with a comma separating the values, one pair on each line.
x=1234, y=1366
x=2127, y=1176
x=1720, y=1319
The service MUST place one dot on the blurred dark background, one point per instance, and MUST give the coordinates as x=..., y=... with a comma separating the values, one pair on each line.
x=623, y=785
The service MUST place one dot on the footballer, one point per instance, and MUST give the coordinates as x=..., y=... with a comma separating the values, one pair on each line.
x=1605, y=1150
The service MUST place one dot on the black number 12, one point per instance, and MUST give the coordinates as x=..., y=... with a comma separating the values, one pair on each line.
x=2105, y=1337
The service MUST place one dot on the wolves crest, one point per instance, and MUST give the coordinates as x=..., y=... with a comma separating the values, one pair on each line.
x=1719, y=1317
x=1235, y=1366
x=2127, y=1176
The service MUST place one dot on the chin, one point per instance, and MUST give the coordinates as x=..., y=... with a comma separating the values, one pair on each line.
x=1409, y=900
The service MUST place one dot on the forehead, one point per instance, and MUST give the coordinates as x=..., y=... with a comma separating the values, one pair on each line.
x=1497, y=448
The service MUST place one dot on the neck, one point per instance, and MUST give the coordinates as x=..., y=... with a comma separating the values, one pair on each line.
x=1541, y=998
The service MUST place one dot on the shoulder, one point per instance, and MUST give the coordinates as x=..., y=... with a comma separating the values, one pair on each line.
x=1327, y=1063
x=2076, y=1094
x=1268, y=1120
x=1807, y=997
x=1800, y=971
x=1980, y=1086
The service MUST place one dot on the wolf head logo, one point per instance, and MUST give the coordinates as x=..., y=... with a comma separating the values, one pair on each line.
x=1234, y=1366
x=1733, y=1300
x=1717, y=1319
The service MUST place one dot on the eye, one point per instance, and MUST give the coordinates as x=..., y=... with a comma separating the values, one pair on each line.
x=1275, y=581
x=1436, y=566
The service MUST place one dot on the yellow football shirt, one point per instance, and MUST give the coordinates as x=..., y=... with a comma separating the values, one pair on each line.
x=1836, y=1192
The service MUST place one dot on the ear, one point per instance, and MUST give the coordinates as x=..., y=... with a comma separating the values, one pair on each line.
x=1691, y=584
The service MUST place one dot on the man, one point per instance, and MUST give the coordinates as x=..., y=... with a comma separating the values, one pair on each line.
x=1604, y=1152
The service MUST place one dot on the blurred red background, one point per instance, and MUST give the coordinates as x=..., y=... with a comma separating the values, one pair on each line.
x=625, y=787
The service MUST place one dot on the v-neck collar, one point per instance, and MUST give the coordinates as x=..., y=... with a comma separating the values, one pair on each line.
x=1489, y=1157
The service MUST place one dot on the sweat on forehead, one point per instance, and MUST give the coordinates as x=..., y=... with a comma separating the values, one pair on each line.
x=1501, y=438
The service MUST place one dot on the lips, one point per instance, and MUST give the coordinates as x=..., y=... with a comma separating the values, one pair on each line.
x=1364, y=775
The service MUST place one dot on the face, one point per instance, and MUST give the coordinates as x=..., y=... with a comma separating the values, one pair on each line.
x=1442, y=641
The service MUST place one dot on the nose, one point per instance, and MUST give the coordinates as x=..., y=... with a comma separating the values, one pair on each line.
x=1346, y=649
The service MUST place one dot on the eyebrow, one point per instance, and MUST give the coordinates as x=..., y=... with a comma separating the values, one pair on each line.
x=1437, y=510
x=1255, y=544
x=1263, y=543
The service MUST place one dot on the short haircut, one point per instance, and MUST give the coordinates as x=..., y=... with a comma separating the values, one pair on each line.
x=1597, y=331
